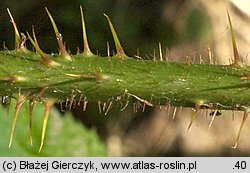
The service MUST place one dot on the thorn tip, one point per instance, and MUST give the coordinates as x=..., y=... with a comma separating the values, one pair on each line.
x=119, y=49
x=86, y=49
x=31, y=106
x=235, y=50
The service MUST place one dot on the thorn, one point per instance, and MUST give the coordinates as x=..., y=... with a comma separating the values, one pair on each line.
x=34, y=35
x=174, y=113
x=48, y=106
x=235, y=50
x=45, y=58
x=71, y=101
x=99, y=106
x=210, y=55
x=194, y=115
x=167, y=107
x=213, y=117
x=3, y=99
x=31, y=106
x=109, y=106
x=18, y=40
x=141, y=100
x=201, y=60
x=85, y=102
x=119, y=49
x=134, y=108
x=161, y=59
x=66, y=103
x=104, y=106
x=241, y=127
x=63, y=51
x=137, y=105
x=79, y=100
x=125, y=106
x=20, y=101
x=144, y=106
x=108, y=51
x=86, y=49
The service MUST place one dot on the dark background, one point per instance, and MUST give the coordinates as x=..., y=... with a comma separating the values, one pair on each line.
x=140, y=24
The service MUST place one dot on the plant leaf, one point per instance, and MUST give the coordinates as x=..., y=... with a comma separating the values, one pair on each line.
x=65, y=136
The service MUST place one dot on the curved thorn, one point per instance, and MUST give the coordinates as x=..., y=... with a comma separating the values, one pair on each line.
x=235, y=50
x=119, y=49
x=63, y=51
x=20, y=101
x=160, y=51
x=48, y=106
x=174, y=112
x=45, y=58
x=52, y=21
x=194, y=115
x=108, y=51
x=31, y=106
x=213, y=117
x=17, y=35
x=86, y=49
x=34, y=35
x=241, y=127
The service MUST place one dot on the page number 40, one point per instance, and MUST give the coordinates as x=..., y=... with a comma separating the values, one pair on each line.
x=240, y=165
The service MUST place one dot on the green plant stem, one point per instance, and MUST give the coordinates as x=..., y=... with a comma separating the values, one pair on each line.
x=123, y=80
